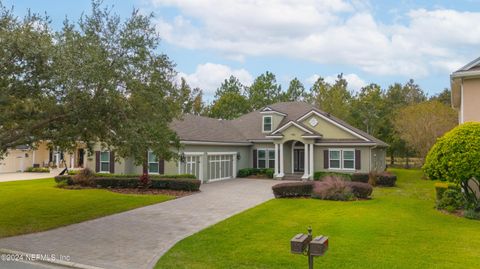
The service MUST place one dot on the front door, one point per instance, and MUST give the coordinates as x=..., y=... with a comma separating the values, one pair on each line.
x=298, y=160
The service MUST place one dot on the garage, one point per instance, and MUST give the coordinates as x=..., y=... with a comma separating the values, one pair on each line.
x=221, y=165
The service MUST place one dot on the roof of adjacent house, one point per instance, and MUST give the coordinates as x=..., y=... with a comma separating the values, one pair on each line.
x=248, y=127
x=469, y=71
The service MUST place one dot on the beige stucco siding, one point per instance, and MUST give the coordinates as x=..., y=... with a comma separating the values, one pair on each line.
x=378, y=159
x=471, y=100
x=327, y=129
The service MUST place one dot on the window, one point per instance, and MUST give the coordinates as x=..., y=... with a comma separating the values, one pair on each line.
x=267, y=123
x=335, y=159
x=266, y=158
x=153, y=166
x=348, y=159
x=105, y=161
x=271, y=158
x=262, y=158
x=342, y=159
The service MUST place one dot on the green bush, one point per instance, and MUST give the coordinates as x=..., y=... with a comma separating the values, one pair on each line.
x=456, y=158
x=185, y=184
x=472, y=214
x=441, y=187
x=246, y=172
x=64, y=178
x=38, y=170
x=386, y=179
x=150, y=175
x=360, y=177
x=319, y=175
x=452, y=199
x=293, y=189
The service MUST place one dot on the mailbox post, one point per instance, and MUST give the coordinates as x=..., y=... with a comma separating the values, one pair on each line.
x=304, y=244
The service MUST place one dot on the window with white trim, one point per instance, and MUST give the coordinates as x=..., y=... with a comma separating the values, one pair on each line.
x=334, y=159
x=266, y=158
x=267, y=123
x=153, y=166
x=343, y=159
x=105, y=161
x=348, y=159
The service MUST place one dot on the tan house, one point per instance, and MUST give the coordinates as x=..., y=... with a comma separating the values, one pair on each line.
x=465, y=84
x=23, y=157
x=294, y=139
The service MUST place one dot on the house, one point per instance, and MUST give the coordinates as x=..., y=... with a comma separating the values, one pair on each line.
x=20, y=158
x=465, y=84
x=293, y=138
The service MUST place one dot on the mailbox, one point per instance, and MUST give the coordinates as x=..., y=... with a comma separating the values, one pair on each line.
x=299, y=243
x=318, y=246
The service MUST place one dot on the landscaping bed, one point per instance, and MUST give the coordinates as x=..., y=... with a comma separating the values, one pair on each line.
x=138, y=191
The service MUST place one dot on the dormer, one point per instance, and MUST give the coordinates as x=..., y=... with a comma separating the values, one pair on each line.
x=271, y=119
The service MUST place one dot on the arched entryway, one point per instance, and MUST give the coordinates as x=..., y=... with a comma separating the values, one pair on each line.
x=298, y=157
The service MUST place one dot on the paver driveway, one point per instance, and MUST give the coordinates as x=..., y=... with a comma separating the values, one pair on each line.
x=137, y=238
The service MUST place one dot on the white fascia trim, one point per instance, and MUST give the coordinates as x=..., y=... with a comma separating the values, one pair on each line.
x=273, y=112
x=263, y=124
x=190, y=142
x=263, y=141
x=272, y=136
x=193, y=153
x=221, y=153
x=311, y=136
x=267, y=109
x=471, y=64
x=333, y=122
x=346, y=144
x=464, y=74
x=288, y=125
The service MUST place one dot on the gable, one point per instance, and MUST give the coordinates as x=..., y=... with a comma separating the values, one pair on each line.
x=327, y=129
x=293, y=133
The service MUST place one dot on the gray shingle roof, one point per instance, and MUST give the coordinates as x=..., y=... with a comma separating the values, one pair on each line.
x=249, y=126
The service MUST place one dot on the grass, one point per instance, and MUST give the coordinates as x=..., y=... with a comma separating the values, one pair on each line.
x=399, y=228
x=38, y=205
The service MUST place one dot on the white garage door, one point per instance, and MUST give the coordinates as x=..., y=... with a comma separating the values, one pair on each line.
x=221, y=166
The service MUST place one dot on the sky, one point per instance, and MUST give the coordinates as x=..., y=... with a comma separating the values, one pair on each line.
x=379, y=42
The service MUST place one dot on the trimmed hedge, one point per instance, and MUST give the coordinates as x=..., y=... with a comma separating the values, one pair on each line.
x=245, y=172
x=185, y=184
x=360, y=189
x=360, y=177
x=321, y=174
x=108, y=175
x=441, y=187
x=293, y=189
x=38, y=170
x=385, y=179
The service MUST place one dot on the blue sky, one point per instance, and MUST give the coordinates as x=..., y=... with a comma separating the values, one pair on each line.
x=368, y=41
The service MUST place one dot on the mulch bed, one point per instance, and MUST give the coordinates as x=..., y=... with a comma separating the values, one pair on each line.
x=153, y=192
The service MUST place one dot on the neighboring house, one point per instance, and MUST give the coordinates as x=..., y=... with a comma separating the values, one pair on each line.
x=22, y=157
x=293, y=138
x=465, y=84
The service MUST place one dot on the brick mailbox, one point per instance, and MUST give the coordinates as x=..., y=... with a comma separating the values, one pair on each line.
x=299, y=243
x=318, y=246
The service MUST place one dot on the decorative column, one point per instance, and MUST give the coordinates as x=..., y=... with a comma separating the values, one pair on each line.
x=234, y=173
x=312, y=165
x=306, y=171
x=281, y=173
x=276, y=161
x=33, y=158
x=200, y=168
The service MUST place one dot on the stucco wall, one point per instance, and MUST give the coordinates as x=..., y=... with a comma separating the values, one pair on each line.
x=365, y=159
x=471, y=100
x=327, y=129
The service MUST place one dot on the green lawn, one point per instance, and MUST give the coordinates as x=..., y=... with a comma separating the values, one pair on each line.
x=399, y=228
x=37, y=205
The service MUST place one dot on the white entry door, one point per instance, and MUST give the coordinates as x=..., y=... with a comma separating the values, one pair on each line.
x=221, y=167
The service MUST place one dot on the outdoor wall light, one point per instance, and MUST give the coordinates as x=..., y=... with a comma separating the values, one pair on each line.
x=238, y=156
x=182, y=157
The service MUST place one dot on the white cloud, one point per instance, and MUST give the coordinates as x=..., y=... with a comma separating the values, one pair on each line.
x=328, y=32
x=355, y=83
x=209, y=76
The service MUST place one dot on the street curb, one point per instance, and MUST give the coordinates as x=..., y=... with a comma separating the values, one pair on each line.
x=56, y=262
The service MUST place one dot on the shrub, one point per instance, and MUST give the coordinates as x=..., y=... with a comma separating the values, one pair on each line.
x=293, y=189
x=62, y=184
x=64, y=178
x=360, y=189
x=155, y=183
x=84, y=178
x=441, y=187
x=332, y=188
x=472, y=214
x=319, y=175
x=38, y=170
x=177, y=184
x=144, y=181
x=360, y=177
x=385, y=179
x=452, y=199
x=245, y=172
x=456, y=158
x=105, y=175
x=114, y=182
